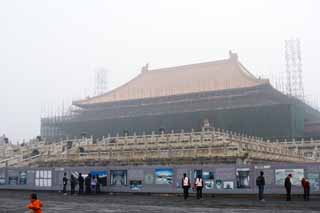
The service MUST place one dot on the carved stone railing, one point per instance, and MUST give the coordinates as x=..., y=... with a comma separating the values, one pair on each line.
x=203, y=146
x=309, y=148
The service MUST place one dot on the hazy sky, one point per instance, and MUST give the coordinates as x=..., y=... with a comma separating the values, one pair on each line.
x=50, y=48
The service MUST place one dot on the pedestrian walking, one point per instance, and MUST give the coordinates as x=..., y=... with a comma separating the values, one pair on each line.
x=199, y=186
x=287, y=185
x=306, y=188
x=81, y=182
x=73, y=183
x=35, y=204
x=87, y=182
x=260, y=182
x=65, y=183
x=185, y=183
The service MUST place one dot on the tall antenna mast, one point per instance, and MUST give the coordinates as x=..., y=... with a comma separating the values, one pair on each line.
x=100, y=81
x=294, y=83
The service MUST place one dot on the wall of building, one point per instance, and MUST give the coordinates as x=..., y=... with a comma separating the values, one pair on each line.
x=222, y=178
x=264, y=121
x=259, y=111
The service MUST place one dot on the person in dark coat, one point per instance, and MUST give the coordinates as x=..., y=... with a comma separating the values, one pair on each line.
x=98, y=184
x=185, y=183
x=87, y=182
x=199, y=186
x=81, y=182
x=64, y=182
x=260, y=182
x=73, y=183
x=287, y=185
x=306, y=188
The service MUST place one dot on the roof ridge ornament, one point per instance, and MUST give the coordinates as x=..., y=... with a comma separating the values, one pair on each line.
x=233, y=56
x=145, y=68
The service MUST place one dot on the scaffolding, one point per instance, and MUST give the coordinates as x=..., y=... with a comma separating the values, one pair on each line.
x=294, y=82
x=100, y=81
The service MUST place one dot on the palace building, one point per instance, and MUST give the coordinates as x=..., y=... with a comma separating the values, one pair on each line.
x=223, y=93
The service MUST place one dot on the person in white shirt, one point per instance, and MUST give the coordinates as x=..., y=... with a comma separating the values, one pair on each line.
x=199, y=186
x=185, y=183
x=93, y=184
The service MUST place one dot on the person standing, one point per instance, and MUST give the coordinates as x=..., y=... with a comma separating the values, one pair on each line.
x=64, y=182
x=185, y=183
x=260, y=182
x=81, y=182
x=94, y=184
x=287, y=185
x=306, y=188
x=98, y=184
x=73, y=183
x=87, y=182
x=199, y=186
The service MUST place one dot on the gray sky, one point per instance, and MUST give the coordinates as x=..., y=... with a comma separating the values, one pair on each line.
x=49, y=48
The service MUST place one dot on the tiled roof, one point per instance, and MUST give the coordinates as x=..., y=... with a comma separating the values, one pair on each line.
x=208, y=76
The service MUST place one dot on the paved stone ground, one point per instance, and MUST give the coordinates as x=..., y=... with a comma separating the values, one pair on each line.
x=15, y=201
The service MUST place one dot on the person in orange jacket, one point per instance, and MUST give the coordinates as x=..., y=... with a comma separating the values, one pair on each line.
x=35, y=204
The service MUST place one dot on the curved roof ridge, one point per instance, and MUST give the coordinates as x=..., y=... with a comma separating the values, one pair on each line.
x=249, y=75
x=109, y=92
x=184, y=79
x=167, y=69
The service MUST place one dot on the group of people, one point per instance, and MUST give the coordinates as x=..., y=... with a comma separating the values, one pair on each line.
x=88, y=184
x=186, y=185
x=260, y=182
x=92, y=184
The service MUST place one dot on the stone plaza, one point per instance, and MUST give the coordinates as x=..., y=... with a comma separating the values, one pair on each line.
x=16, y=201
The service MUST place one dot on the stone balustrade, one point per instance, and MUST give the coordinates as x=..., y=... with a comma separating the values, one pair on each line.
x=204, y=146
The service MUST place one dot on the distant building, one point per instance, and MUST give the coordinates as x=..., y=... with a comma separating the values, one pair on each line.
x=223, y=93
x=3, y=139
